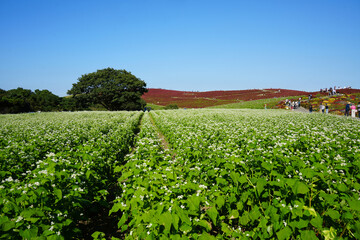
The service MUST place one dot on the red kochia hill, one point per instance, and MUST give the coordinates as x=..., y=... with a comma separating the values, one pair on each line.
x=212, y=98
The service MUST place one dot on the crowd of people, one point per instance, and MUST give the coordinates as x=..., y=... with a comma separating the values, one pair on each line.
x=293, y=104
x=332, y=90
x=350, y=109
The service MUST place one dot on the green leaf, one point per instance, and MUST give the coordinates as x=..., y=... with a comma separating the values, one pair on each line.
x=122, y=220
x=183, y=216
x=175, y=219
x=341, y=187
x=242, y=179
x=317, y=222
x=284, y=233
x=185, y=228
x=58, y=193
x=8, y=225
x=166, y=220
x=330, y=198
x=194, y=203
x=115, y=208
x=333, y=214
x=300, y=188
x=235, y=176
x=260, y=184
x=255, y=213
x=88, y=173
x=226, y=229
x=244, y=219
x=204, y=224
x=266, y=165
x=220, y=201
x=311, y=211
x=354, y=205
x=357, y=230
x=307, y=235
x=206, y=236
x=29, y=233
x=234, y=214
x=299, y=224
x=213, y=213
x=117, y=169
x=98, y=235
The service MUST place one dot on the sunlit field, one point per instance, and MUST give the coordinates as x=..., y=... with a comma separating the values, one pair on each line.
x=181, y=174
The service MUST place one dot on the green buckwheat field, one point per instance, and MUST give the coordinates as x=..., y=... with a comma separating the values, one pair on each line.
x=179, y=174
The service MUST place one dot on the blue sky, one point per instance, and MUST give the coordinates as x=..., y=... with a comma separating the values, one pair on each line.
x=190, y=45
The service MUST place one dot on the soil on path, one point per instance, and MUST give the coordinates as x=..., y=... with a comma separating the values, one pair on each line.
x=301, y=109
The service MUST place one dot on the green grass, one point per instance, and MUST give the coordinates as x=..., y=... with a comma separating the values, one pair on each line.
x=256, y=104
x=154, y=106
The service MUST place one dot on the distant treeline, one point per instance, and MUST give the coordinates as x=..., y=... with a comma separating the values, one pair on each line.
x=24, y=100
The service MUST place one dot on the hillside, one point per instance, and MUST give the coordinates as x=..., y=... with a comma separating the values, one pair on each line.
x=336, y=102
x=186, y=99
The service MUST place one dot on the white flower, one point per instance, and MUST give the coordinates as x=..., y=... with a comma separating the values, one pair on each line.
x=19, y=218
x=9, y=179
x=50, y=154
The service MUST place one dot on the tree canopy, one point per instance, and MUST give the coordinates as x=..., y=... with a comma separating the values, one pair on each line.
x=113, y=89
x=24, y=100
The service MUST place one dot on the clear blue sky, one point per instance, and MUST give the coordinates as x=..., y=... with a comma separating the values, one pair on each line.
x=190, y=45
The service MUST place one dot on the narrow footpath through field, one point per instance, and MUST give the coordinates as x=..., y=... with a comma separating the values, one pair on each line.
x=301, y=109
x=164, y=143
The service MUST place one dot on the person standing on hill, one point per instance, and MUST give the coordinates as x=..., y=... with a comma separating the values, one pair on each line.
x=310, y=108
x=347, y=109
x=358, y=108
x=327, y=108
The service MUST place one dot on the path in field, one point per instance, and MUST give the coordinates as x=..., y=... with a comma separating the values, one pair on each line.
x=164, y=142
x=301, y=109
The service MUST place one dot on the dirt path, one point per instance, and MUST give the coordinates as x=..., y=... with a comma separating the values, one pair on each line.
x=164, y=143
x=301, y=109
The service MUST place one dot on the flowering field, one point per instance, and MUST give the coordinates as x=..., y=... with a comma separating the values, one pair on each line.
x=336, y=102
x=242, y=174
x=187, y=174
x=56, y=168
x=186, y=99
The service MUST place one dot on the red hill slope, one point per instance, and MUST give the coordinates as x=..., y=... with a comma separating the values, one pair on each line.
x=212, y=98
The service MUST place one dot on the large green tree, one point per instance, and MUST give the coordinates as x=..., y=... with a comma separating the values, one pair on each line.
x=45, y=101
x=114, y=89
